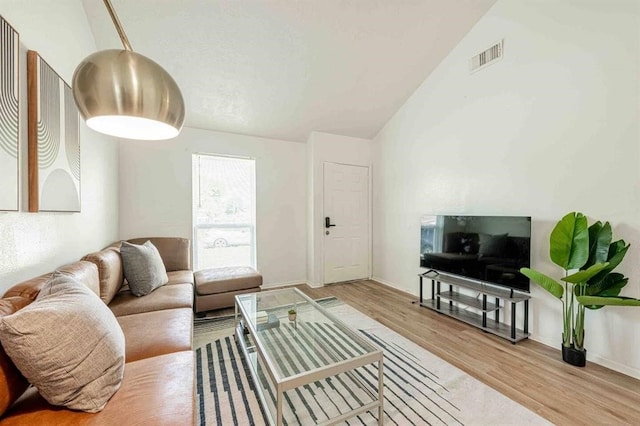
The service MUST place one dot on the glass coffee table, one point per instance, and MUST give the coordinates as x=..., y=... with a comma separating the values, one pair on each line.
x=309, y=369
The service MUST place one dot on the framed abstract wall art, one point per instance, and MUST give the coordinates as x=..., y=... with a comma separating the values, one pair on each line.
x=54, y=140
x=9, y=116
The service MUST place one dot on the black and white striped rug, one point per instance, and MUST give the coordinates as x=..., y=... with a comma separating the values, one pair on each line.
x=419, y=388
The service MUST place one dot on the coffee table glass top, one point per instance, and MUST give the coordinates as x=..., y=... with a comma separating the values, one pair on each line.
x=314, y=330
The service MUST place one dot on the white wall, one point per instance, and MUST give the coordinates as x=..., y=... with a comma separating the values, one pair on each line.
x=550, y=129
x=321, y=148
x=156, y=197
x=35, y=243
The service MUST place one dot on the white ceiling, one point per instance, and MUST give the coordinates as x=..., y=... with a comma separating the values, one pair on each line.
x=283, y=68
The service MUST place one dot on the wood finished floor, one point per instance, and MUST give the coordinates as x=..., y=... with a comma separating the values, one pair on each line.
x=529, y=372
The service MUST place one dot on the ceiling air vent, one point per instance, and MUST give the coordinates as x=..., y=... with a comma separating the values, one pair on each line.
x=488, y=57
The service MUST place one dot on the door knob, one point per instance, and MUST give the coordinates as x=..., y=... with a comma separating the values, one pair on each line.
x=327, y=222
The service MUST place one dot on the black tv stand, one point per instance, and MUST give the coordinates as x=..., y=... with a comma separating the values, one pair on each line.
x=476, y=310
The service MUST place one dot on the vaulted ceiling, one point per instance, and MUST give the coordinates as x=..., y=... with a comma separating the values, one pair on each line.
x=283, y=68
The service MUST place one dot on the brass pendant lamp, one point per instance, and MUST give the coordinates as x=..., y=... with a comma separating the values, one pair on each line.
x=125, y=94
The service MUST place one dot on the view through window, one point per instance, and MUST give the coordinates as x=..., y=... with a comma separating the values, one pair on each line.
x=223, y=211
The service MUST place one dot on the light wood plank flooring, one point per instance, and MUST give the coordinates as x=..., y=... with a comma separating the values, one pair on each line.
x=529, y=372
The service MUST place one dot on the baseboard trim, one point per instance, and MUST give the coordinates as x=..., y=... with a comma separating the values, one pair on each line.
x=393, y=286
x=289, y=284
x=310, y=284
x=595, y=358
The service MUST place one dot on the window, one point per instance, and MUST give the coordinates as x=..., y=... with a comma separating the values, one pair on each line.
x=224, y=194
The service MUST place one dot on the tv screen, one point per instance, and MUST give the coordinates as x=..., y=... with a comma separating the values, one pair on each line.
x=490, y=249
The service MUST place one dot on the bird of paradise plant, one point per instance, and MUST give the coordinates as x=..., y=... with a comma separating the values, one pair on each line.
x=588, y=257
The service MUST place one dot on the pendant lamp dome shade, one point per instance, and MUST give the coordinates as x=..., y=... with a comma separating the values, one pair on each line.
x=125, y=94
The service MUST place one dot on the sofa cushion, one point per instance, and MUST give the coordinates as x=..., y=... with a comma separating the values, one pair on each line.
x=175, y=252
x=155, y=391
x=171, y=331
x=28, y=289
x=222, y=280
x=12, y=382
x=68, y=344
x=110, y=271
x=84, y=272
x=180, y=277
x=166, y=297
x=209, y=302
x=143, y=267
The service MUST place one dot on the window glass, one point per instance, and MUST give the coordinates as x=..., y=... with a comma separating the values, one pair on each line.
x=224, y=211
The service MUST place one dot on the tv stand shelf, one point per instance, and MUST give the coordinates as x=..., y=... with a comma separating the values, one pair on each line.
x=475, y=310
x=471, y=302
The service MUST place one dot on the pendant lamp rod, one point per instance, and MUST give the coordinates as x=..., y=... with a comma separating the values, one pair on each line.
x=116, y=23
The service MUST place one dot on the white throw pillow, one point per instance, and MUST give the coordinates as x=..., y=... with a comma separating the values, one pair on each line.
x=68, y=344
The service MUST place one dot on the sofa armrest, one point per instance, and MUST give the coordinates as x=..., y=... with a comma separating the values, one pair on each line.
x=175, y=252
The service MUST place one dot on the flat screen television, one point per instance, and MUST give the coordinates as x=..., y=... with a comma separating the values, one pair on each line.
x=489, y=249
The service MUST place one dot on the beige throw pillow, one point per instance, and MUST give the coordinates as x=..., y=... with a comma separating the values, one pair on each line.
x=143, y=267
x=68, y=344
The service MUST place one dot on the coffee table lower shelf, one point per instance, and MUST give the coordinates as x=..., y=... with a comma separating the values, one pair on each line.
x=274, y=397
x=324, y=369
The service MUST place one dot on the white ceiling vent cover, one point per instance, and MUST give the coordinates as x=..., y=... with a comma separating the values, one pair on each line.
x=488, y=57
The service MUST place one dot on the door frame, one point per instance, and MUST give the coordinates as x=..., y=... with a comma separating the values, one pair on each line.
x=369, y=211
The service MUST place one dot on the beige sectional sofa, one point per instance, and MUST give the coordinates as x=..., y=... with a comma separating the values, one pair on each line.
x=158, y=383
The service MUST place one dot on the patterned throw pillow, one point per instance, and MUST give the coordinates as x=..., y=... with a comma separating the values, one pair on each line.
x=143, y=267
x=68, y=344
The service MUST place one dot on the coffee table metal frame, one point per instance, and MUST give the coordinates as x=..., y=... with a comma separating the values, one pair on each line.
x=283, y=384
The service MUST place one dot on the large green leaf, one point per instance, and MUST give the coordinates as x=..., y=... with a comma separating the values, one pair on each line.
x=569, y=242
x=594, y=230
x=615, y=289
x=607, y=285
x=544, y=281
x=599, y=240
x=608, y=301
x=617, y=252
x=584, y=275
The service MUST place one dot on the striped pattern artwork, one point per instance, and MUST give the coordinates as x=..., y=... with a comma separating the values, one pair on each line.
x=48, y=115
x=9, y=116
x=54, y=140
x=417, y=391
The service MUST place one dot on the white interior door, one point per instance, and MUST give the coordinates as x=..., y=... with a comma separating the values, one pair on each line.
x=346, y=204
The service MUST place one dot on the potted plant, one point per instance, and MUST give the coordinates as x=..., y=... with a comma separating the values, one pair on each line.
x=588, y=257
x=292, y=314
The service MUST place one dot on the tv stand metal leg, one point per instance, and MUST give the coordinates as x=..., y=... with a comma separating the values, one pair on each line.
x=513, y=320
x=484, y=310
x=526, y=317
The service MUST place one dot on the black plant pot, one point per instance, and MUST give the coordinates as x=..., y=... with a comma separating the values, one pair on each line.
x=573, y=356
